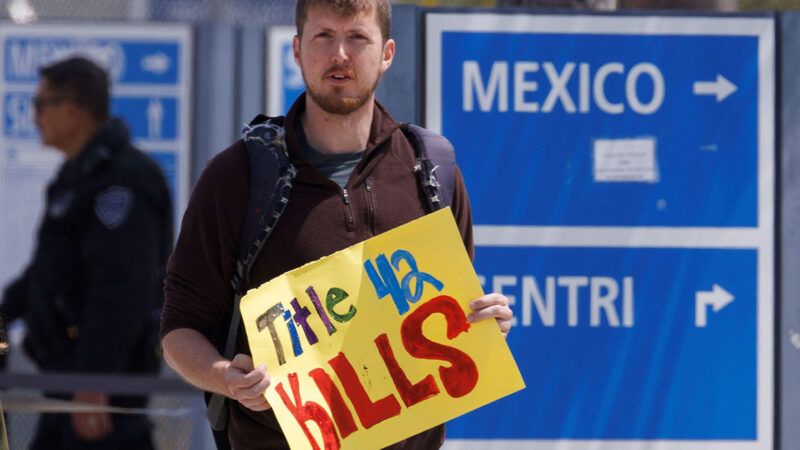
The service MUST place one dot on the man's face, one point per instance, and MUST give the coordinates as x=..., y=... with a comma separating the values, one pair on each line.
x=342, y=58
x=54, y=114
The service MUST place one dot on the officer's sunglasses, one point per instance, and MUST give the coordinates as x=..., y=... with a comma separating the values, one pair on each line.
x=40, y=103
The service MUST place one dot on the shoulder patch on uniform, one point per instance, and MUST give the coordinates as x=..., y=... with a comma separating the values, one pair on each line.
x=113, y=205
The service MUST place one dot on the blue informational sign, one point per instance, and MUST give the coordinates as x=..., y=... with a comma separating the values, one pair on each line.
x=610, y=346
x=285, y=81
x=150, y=73
x=18, y=115
x=621, y=176
x=633, y=94
x=133, y=61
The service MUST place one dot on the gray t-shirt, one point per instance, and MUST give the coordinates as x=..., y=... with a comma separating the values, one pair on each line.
x=337, y=166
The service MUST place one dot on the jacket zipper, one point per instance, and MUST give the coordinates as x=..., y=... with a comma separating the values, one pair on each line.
x=370, y=205
x=351, y=226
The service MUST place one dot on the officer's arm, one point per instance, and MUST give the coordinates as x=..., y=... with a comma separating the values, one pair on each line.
x=122, y=255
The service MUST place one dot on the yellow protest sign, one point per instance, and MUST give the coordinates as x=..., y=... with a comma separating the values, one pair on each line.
x=371, y=345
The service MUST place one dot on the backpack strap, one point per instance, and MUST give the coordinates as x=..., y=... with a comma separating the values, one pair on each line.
x=271, y=177
x=436, y=165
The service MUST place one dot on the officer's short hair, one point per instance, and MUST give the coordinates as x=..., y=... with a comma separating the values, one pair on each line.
x=382, y=8
x=83, y=80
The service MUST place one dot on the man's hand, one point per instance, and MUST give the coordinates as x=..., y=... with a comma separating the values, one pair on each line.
x=492, y=306
x=246, y=383
x=94, y=426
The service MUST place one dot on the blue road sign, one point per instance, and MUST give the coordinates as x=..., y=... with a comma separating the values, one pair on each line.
x=611, y=347
x=131, y=61
x=616, y=116
x=620, y=171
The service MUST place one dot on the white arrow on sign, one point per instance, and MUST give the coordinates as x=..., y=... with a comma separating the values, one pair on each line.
x=721, y=88
x=717, y=298
x=157, y=63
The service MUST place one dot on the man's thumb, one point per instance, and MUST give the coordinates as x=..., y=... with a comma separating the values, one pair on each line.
x=242, y=362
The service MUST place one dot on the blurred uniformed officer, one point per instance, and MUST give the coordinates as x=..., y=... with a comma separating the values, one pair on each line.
x=92, y=293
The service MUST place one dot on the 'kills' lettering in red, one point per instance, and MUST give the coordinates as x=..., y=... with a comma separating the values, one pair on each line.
x=458, y=379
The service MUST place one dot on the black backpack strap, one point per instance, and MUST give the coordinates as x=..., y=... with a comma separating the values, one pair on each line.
x=436, y=165
x=271, y=177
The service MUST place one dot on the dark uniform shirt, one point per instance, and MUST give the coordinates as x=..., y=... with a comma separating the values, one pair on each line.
x=92, y=294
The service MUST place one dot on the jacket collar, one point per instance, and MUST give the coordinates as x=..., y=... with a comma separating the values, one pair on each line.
x=108, y=140
x=382, y=127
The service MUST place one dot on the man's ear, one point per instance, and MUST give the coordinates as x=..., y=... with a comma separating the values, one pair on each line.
x=388, y=54
x=296, y=49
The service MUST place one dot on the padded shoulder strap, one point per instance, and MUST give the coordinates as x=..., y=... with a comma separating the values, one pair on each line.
x=271, y=176
x=436, y=165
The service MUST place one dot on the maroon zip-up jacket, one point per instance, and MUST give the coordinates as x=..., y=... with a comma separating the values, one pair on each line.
x=317, y=222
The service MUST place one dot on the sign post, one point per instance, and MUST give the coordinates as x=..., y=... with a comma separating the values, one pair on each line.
x=621, y=171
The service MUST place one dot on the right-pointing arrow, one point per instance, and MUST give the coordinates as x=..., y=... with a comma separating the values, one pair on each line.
x=717, y=298
x=721, y=88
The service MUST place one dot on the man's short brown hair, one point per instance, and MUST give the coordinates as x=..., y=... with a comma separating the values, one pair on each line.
x=383, y=11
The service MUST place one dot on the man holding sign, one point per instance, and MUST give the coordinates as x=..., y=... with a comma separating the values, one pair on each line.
x=355, y=179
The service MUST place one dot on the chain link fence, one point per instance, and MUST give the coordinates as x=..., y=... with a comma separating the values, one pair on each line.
x=267, y=12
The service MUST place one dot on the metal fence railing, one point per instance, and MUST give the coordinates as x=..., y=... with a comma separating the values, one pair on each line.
x=175, y=409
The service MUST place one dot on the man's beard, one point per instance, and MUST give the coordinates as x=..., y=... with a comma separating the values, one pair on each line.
x=335, y=103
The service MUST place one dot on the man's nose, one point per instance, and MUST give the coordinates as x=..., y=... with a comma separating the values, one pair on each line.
x=339, y=52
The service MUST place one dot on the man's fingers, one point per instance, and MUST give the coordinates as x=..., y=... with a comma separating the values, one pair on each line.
x=247, y=384
x=244, y=379
x=91, y=426
x=259, y=403
x=253, y=384
x=488, y=300
x=239, y=372
x=505, y=326
x=104, y=424
x=95, y=425
x=492, y=306
x=500, y=312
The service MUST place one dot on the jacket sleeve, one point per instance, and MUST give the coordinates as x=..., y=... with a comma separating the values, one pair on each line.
x=122, y=252
x=463, y=213
x=197, y=289
x=14, y=301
